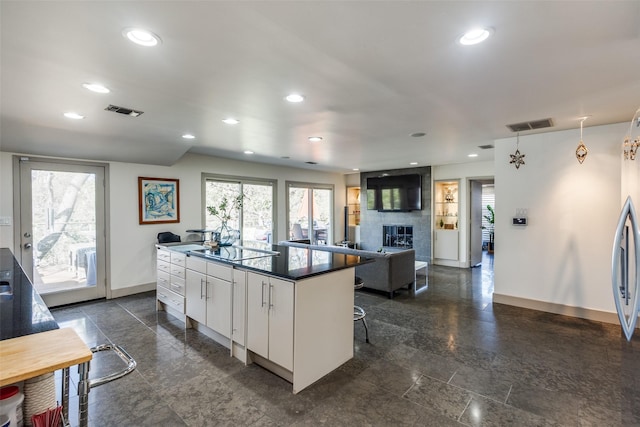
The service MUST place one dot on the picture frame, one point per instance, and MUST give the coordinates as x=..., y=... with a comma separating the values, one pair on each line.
x=158, y=200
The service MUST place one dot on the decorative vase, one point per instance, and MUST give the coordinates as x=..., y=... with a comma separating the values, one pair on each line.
x=227, y=236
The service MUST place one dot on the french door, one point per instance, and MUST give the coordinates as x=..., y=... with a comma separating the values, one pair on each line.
x=60, y=238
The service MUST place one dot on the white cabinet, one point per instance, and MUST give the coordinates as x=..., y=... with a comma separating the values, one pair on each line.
x=446, y=244
x=196, y=304
x=208, y=294
x=170, y=282
x=446, y=216
x=238, y=307
x=270, y=303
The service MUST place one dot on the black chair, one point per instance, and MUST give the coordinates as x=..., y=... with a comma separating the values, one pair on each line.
x=168, y=237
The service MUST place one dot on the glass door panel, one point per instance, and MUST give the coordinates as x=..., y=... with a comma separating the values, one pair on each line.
x=62, y=230
x=257, y=213
x=321, y=207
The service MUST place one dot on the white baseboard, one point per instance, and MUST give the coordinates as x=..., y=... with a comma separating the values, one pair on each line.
x=123, y=292
x=549, y=307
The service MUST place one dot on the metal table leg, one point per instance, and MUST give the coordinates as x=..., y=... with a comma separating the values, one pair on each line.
x=65, y=393
x=83, y=394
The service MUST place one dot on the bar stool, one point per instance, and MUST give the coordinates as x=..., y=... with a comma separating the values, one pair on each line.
x=358, y=312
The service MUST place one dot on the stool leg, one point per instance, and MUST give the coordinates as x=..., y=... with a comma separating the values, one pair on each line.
x=366, y=329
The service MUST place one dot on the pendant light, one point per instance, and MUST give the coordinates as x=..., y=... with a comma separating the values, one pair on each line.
x=517, y=159
x=581, y=151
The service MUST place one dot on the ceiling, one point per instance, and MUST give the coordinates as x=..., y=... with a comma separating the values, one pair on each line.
x=372, y=73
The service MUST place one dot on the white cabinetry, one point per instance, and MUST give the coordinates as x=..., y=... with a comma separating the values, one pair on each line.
x=208, y=292
x=170, y=283
x=239, y=304
x=446, y=216
x=270, y=318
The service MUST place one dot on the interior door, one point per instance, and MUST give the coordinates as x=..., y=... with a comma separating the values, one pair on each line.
x=475, y=224
x=61, y=240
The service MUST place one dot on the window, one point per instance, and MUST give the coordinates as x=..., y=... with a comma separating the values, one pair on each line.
x=310, y=201
x=488, y=198
x=254, y=220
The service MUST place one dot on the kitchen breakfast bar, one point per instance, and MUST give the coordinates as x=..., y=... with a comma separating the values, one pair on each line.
x=31, y=343
x=288, y=309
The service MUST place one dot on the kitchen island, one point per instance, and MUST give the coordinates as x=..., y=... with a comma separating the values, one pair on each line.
x=31, y=342
x=287, y=309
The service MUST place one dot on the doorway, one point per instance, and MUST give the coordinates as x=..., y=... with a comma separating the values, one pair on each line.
x=480, y=231
x=60, y=232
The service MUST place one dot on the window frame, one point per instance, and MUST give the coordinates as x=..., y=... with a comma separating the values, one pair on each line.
x=241, y=180
x=312, y=186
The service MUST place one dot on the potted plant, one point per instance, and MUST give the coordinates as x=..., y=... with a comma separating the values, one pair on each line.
x=490, y=220
x=224, y=212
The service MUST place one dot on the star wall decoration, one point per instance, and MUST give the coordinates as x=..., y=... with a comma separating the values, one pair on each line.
x=517, y=159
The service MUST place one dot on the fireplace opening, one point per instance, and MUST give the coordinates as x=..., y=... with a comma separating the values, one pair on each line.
x=397, y=236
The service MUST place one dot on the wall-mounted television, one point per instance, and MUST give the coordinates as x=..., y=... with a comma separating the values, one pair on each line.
x=394, y=193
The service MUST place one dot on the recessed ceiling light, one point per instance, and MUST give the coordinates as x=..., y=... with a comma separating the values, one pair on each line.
x=413, y=163
x=72, y=115
x=418, y=134
x=294, y=97
x=96, y=87
x=355, y=169
x=141, y=37
x=231, y=121
x=475, y=36
x=188, y=136
x=472, y=155
x=315, y=138
x=248, y=152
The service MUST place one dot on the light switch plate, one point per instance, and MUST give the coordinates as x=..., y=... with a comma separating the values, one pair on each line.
x=5, y=220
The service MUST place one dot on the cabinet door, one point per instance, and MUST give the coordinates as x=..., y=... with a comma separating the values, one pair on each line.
x=281, y=322
x=196, y=304
x=446, y=245
x=239, y=303
x=257, y=314
x=219, y=305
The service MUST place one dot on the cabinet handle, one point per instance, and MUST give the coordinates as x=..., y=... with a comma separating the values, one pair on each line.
x=270, y=295
x=262, y=293
x=201, y=280
x=162, y=295
x=206, y=290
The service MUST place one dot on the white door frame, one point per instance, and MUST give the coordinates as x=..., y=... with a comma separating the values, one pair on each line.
x=22, y=206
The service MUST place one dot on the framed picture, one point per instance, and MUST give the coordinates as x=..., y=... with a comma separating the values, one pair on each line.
x=158, y=200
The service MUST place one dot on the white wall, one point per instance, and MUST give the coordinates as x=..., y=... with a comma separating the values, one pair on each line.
x=563, y=256
x=132, y=252
x=463, y=172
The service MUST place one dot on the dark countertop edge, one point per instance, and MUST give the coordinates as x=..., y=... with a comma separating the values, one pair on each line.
x=301, y=276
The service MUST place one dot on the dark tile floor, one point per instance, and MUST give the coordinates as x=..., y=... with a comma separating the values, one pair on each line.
x=443, y=357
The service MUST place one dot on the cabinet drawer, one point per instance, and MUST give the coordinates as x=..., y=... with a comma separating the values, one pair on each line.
x=177, y=271
x=197, y=264
x=221, y=271
x=171, y=299
x=163, y=278
x=177, y=285
x=164, y=266
x=178, y=259
x=164, y=255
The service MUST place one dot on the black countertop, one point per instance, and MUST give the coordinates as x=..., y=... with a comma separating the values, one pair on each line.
x=290, y=262
x=22, y=311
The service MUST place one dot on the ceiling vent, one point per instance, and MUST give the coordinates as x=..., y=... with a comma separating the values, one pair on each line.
x=525, y=126
x=311, y=163
x=123, y=110
x=486, y=147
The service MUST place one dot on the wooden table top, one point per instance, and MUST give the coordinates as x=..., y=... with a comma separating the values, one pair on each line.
x=37, y=354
